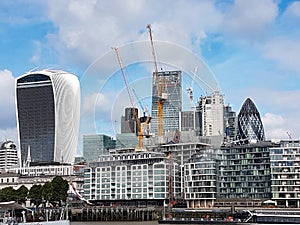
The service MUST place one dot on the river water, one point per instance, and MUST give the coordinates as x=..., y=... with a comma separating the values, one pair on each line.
x=117, y=223
x=129, y=223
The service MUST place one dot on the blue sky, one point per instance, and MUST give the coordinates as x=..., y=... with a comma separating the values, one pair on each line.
x=251, y=47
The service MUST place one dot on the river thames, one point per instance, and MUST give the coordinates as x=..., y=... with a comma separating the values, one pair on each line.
x=116, y=223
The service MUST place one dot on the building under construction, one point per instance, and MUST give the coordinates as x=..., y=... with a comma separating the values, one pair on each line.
x=172, y=105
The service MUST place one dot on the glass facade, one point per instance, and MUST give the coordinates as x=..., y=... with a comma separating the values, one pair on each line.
x=246, y=175
x=191, y=120
x=244, y=172
x=48, y=111
x=172, y=106
x=36, y=117
x=200, y=176
x=128, y=122
x=95, y=145
x=285, y=173
x=230, y=123
x=249, y=123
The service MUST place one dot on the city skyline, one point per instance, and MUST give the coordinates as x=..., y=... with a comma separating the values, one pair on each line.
x=251, y=54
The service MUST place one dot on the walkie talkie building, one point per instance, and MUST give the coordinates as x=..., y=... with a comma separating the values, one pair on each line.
x=48, y=110
x=249, y=123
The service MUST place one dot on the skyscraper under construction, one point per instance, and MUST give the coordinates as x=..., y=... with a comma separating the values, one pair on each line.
x=170, y=84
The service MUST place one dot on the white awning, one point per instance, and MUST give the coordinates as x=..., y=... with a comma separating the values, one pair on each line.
x=270, y=202
x=12, y=205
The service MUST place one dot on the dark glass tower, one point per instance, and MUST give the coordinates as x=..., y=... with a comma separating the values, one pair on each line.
x=128, y=123
x=48, y=110
x=249, y=123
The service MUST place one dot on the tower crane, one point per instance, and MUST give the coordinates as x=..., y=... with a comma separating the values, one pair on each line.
x=190, y=88
x=145, y=109
x=140, y=133
x=160, y=88
x=289, y=135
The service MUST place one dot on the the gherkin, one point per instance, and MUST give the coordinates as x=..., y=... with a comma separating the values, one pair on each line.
x=249, y=123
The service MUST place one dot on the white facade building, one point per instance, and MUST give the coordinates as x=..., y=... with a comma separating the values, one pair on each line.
x=200, y=178
x=212, y=110
x=8, y=155
x=137, y=177
x=48, y=110
x=285, y=173
x=45, y=170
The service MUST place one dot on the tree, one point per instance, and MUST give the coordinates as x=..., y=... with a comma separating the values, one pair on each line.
x=35, y=194
x=47, y=191
x=60, y=189
x=21, y=194
x=8, y=194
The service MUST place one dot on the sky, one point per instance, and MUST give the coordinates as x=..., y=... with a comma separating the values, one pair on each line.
x=244, y=48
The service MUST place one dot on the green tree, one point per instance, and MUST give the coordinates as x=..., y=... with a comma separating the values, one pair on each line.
x=8, y=194
x=21, y=194
x=35, y=194
x=60, y=189
x=47, y=192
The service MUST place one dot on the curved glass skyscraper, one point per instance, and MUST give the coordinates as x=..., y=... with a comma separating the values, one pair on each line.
x=48, y=110
x=249, y=123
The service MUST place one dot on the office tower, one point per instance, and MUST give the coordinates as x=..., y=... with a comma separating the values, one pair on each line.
x=191, y=121
x=95, y=145
x=212, y=111
x=170, y=83
x=249, y=124
x=48, y=110
x=230, y=123
x=8, y=155
x=126, y=140
x=187, y=120
x=128, y=122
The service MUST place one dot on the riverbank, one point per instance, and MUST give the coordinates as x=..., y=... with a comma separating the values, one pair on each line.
x=136, y=214
x=115, y=214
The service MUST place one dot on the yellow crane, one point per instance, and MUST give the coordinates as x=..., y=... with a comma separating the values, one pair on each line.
x=140, y=132
x=160, y=88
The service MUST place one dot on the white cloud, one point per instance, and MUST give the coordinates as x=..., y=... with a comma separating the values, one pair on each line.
x=35, y=58
x=7, y=100
x=249, y=18
x=281, y=126
x=270, y=119
x=96, y=102
x=86, y=30
x=284, y=51
x=280, y=112
x=9, y=134
x=100, y=109
x=275, y=126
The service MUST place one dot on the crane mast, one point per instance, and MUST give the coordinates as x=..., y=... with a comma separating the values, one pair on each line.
x=160, y=88
x=140, y=129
